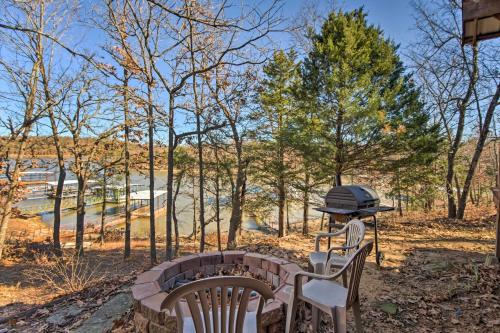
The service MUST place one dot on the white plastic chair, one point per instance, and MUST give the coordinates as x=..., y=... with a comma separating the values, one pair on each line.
x=321, y=262
x=324, y=293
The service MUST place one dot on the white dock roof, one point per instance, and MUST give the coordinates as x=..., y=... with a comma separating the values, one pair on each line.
x=144, y=195
x=37, y=172
x=70, y=182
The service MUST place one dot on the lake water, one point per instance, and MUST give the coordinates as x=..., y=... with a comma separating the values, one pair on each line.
x=140, y=226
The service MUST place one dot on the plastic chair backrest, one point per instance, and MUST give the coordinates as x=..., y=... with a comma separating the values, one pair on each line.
x=212, y=308
x=356, y=265
x=355, y=234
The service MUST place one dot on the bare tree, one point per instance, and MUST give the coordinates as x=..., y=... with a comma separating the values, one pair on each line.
x=55, y=89
x=457, y=80
x=92, y=123
x=131, y=26
x=228, y=89
x=232, y=35
x=25, y=84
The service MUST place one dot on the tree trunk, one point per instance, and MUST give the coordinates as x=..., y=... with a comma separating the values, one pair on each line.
x=452, y=208
x=195, y=228
x=339, y=145
x=455, y=144
x=483, y=135
x=128, y=209
x=287, y=205
x=281, y=207
x=242, y=200
x=14, y=185
x=170, y=176
x=472, y=199
x=201, y=184
x=235, y=219
x=281, y=181
x=60, y=160
x=151, y=155
x=305, y=211
x=457, y=188
x=398, y=191
x=103, y=206
x=80, y=214
x=57, y=207
x=174, y=212
x=217, y=198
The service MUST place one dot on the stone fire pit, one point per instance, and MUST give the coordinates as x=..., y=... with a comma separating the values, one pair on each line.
x=151, y=287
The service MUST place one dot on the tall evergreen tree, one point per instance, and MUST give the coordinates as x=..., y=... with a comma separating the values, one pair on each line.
x=415, y=144
x=355, y=73
x=276, y=100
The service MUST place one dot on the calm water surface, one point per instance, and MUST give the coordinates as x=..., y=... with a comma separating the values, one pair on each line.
x=140, y=226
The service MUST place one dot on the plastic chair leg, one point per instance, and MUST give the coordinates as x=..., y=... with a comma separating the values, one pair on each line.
x=357, y=316
x=315, y=318
x=290, y=314
x=339, y=316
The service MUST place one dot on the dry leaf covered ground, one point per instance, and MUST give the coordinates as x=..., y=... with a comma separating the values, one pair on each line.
x=433, y=278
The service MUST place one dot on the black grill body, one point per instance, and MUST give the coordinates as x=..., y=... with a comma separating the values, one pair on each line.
x=353, y=197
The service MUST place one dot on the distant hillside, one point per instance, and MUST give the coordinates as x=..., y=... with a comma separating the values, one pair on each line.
x=43, y=147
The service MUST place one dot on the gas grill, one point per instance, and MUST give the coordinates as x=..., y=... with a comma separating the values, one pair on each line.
x=353, y=201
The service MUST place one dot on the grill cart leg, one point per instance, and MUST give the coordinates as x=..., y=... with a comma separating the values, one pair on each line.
x=331, y=221
x=377, y=253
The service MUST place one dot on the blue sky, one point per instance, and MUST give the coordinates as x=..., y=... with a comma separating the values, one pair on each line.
x=393, y=16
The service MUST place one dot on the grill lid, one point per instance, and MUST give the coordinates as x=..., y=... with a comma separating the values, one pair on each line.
x=352, y=197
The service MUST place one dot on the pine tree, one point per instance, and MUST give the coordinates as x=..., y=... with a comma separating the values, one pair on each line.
x=355, y=73
x=415, y=144
x=276, y=101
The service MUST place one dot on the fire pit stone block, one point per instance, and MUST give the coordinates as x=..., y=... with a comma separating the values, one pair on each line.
x=170, y=326
x=253, y=259
x=149, y=276
x=283, y=293
x=210, y=258
x=287, y=272
x=223, y=267
x=189, y=274
x=233, y=257
x=168, y=284
x=276, y=328
x=272, y=312
x=150, y=309
x=143, y=290
x=272, y=264
x=258, y=271
x=209, y=270
x=188, y=262
x=169, y=268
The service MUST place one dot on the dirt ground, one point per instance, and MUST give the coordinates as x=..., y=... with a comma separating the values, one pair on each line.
x=433, y=277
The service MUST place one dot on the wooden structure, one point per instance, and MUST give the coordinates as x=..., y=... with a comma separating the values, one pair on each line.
x=326, y=294
x=480, y=20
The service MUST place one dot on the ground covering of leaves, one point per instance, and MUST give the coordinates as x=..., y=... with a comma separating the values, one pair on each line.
x=433, y=279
